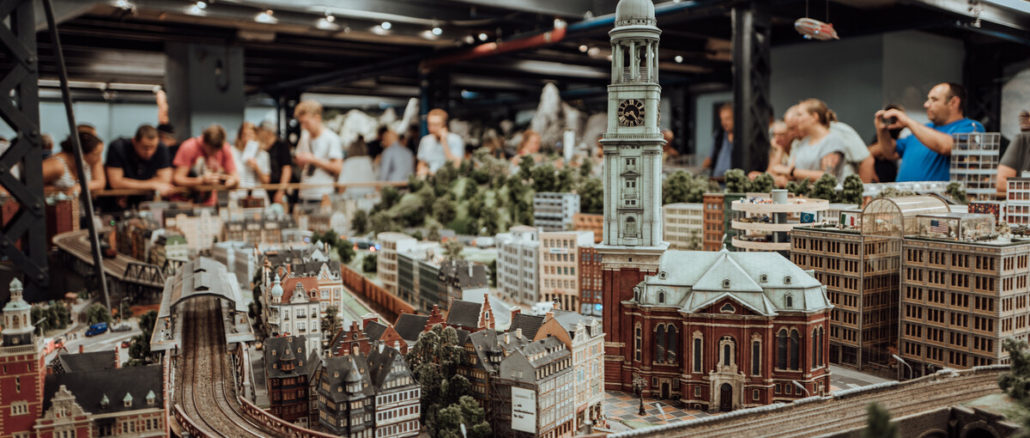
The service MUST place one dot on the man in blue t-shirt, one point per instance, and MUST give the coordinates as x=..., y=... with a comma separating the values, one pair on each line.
x=925, y=154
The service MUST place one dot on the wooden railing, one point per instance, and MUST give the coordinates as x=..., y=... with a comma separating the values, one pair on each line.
x=221, y=188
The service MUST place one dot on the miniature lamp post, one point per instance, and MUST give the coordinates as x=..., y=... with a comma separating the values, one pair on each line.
x=902, y=361
x=639, y=384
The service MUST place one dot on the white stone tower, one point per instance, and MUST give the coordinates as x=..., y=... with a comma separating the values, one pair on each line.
x=633, y=142
x=632, y=246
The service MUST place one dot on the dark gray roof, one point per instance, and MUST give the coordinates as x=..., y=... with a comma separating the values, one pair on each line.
x=386, y=364
x=287, y=349
x=529, y=324
x=410, y=325
x=374, y=330
x=336, y=371
x=83, y=362
x=464, y=314
x=456, y=272
x=90, y=387
x=311, y=269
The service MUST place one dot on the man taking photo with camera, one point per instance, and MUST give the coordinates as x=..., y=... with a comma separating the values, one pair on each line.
x=926, y=153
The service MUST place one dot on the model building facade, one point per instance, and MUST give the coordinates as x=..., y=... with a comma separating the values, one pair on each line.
x=963, y=290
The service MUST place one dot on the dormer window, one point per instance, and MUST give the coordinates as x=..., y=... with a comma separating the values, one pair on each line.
x=105, y=402
x=727, y=308
x=789, y=301
x=726, y=283
x=763, y=278
x=662, y=275
x=151, y=397
x=661, y=297
x=786, y=280
x=127, y=401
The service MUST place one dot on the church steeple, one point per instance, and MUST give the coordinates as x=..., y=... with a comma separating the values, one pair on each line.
x=18, y=326
x=633, y=142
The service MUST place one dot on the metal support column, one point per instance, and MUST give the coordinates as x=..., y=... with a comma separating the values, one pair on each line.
x=23, y=238
x=752, y=107
x=982, y=70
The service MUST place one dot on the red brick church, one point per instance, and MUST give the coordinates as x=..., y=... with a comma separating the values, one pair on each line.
x=714, y=330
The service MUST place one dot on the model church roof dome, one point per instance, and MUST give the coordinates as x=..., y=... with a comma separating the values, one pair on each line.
x=630, y=12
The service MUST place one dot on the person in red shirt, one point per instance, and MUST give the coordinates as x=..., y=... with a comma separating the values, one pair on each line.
x=210, y=157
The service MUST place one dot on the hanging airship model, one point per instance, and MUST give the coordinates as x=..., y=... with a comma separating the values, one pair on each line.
x=813, y=29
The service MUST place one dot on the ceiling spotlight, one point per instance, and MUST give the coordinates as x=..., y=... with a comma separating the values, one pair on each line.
x=386, y=25
x=483, y=36
x=200, y=5
x=469, y=39
x=583, y=48
x=124, y=4
x=678, y=59
x=437, y=31
x=559, y=23
x=266, y=17
x=327, y=23
x=594, y=51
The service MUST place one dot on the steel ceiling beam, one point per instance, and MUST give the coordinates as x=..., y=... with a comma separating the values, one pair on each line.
x=1007, y=13
x=560, y=8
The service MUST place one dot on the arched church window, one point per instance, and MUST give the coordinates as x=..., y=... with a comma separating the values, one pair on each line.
x=795, y=344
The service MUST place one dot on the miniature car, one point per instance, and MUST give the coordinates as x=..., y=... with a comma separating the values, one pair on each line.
x=96, y=329
x=123, y=327
x=125, y=344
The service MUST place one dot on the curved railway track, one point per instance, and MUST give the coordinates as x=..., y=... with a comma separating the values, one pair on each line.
x=206, y=392
x=848, y=413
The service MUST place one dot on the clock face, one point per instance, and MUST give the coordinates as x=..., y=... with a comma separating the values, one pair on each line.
x=631, y=112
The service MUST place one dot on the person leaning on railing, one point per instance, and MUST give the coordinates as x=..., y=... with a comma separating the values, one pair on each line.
x=211, y=157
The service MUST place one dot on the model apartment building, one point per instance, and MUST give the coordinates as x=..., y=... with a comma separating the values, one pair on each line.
x=684, y=225
x=963, y=290
x=555, y=211
x=859, y=261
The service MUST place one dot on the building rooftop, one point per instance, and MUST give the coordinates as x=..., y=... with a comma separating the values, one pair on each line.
x=464, y=314
x=410, y=325
x=110, y=390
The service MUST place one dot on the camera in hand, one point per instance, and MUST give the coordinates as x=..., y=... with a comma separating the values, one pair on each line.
x=889, y=120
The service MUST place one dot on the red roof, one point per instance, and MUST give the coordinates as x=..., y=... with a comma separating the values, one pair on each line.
x=290, y=285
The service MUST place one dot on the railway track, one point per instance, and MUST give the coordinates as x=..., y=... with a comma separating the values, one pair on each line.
x=206, y=392
x=849, y=413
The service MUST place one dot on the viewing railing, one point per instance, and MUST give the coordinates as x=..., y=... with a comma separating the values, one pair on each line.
x=340, y=187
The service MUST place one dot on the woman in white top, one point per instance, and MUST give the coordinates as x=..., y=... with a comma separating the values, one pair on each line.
x=357, y=168
x=821, y=150
x=252, y=160
x=59, y=171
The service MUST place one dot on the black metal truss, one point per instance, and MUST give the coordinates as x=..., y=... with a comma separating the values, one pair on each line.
x=27, y=228
x=752, y=106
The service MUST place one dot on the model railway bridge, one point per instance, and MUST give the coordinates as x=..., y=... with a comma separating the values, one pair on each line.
x=124, y=273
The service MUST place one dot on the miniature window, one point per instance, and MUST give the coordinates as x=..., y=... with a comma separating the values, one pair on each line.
x=786, y=280
x=726, y=283
x=764, y=278
x=727, y=308
x=789, y=302
x=661, y=297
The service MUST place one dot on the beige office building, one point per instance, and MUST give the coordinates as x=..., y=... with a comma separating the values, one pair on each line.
x=559, y=280
x=683, y=225
x=963, y=291
x=386, y=262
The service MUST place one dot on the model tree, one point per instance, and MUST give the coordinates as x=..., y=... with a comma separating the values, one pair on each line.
x=591, y=196
x=434, y=362
x=1016, y=383
x=736, y=181
x=359, y=223
x=851, y=191
x=879, y=423
x=139, y=349
x=445, y=210
x=331, y=321
x=491, y=269
x=96, y=313
x=368, y=264
x=763, y=183
x=466, y=411
x=957, y=192
x=800, y=188
x=825, y=187
x=544, y=178
x=452, y=249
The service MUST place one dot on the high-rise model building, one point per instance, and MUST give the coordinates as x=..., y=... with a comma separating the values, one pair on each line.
x=555, y=211
x=859, y=261
x=559, y=282
x=386, y=262
x=763, y=223
x=963, y=291
x=1017, y=200
x=632, y=244
x=974, y=163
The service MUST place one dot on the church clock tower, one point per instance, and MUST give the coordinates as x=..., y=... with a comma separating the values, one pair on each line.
x=632, y=145
x=21, y=368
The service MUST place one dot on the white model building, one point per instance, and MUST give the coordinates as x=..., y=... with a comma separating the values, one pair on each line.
x=683, y=225
x=555, y=211
x=559, y=280
x=763, y=223
x=386, y=262
x=974, y=163
x=518, y=263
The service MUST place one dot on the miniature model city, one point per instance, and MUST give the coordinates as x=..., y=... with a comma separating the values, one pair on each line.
x=546, y=303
